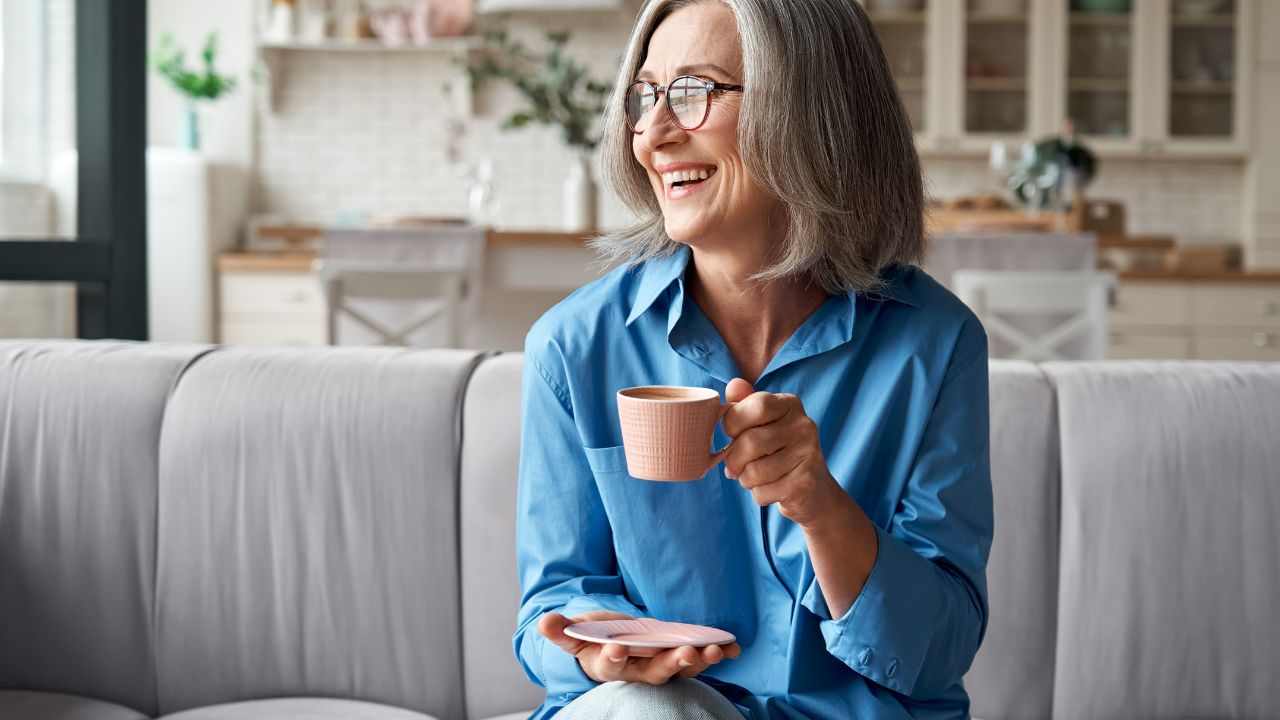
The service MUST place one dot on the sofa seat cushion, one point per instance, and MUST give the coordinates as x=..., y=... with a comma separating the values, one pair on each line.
x=514, y=716
x=30, y=705
x=298, y=709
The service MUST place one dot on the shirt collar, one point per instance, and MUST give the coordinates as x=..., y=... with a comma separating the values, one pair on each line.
x=657, y=274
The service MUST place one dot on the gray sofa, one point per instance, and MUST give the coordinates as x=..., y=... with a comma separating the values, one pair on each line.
x=206, y=533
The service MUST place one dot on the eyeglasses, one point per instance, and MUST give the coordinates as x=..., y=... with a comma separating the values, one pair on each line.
x=688, y=101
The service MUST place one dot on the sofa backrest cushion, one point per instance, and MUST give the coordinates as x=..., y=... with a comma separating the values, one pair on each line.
x=490, y=591
x=1012, y=676
x=1169, y=571
x=307, y=525
x=79, y=427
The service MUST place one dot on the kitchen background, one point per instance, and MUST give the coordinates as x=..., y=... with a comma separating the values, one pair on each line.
x=324, y=135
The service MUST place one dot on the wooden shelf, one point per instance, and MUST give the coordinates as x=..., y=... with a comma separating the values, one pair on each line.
x=994, y=19
x=995, y=84
x=1204, y=21
x=1088, y=19
x=440, y=45
x=1197, y=88
x=273, y=58
x=881, y=17
x=1098, y=85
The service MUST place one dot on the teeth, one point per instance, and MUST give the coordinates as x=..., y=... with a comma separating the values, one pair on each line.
x=686, y=175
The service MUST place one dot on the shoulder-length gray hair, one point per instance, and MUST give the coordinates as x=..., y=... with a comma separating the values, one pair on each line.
x=821, y=127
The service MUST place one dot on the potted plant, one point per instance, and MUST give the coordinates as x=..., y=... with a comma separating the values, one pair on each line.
x=559, y=91
x=169, y=60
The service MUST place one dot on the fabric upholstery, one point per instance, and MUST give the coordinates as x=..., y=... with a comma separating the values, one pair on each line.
x=1169, y=564
x=308, y=529
x=28, y=705
x=680, y=699
x=298, y=709
x=79, y=426
x=490, y=591
x=1012, y=676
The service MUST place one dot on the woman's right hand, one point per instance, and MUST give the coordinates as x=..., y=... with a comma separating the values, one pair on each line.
x=604, y=663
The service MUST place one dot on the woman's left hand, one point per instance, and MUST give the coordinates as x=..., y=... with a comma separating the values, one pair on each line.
x=776, y=455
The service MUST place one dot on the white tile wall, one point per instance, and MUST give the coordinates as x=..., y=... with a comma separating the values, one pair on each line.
x=1195, y=201
x=364, y=133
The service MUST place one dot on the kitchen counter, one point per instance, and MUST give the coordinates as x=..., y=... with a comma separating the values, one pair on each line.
x=304, y=260
x=1226, y=277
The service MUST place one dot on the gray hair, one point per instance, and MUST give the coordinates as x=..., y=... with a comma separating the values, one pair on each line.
x=821, y=128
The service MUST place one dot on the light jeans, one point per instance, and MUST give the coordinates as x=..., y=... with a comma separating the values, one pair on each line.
x=680, y=699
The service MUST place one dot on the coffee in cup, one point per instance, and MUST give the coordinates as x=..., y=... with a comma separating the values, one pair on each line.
x=667, y=431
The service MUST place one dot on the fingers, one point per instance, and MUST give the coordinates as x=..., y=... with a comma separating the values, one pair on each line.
x=752, y=444
x=760, y=408
x=737, y=390
x=616, y=662
x=552, y=626
x=769, y=470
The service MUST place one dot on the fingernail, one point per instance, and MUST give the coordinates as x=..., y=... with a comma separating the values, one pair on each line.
x=614, y=659
x=684, y=663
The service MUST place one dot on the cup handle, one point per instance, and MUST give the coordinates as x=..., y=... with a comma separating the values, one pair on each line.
x=718, y=456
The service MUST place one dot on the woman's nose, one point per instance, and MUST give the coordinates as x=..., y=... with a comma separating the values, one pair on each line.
x=662, y=129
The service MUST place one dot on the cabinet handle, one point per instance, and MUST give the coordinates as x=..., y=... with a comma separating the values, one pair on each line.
x=1261, y=340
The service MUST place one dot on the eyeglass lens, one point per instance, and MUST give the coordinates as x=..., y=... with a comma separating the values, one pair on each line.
x=687, y=97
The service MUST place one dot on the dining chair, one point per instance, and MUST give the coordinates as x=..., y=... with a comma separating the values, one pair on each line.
x=1040, y=315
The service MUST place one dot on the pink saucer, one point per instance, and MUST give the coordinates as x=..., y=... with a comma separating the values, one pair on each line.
x=648, y=633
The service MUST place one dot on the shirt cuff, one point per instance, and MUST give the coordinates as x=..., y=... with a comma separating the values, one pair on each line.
x=881, y=636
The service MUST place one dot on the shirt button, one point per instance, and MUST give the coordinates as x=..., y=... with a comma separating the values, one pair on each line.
x=892, y=669
x=864, y=657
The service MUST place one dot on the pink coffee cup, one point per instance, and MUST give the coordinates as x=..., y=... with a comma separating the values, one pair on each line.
x=667, y=431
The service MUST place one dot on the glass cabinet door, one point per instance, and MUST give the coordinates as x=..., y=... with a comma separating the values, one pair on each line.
x=1202, y=69
x=1100, y=67
x=997, y=67
x=902, y=26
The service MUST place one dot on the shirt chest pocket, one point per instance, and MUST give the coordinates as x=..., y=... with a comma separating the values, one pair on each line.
x=670, y=539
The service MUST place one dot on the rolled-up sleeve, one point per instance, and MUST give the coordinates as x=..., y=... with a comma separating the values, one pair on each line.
x=920, y=617
x=564, y=546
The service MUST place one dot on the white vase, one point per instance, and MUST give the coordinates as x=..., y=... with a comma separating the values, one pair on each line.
x=580, y=195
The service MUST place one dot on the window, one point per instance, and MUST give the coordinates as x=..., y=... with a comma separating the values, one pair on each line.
x=23, y=79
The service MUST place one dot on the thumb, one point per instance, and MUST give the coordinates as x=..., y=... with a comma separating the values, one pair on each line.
x=552, y=626
x=737, y=390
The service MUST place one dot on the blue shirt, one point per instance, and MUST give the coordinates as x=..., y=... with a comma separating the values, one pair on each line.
x=897, y=384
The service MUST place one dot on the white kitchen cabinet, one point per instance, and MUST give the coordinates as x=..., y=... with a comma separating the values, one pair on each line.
x=272, y=308
x=1157, y=79
x=1196, y=319
x=914, y=36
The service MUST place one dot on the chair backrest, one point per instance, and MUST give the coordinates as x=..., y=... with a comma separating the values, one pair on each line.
x=1040, y=316
x=395, y=282
x=1008, y=250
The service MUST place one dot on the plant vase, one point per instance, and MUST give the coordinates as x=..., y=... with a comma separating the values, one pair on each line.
x=191, y=127
x=580, y=195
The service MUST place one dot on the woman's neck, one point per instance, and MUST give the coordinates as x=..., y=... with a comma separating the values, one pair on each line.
x=754, y=319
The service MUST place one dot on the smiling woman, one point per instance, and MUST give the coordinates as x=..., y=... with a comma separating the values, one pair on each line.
x=842, y=542
x=821, y=137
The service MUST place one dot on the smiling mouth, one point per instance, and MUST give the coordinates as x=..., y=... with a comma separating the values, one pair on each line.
x=683, y=179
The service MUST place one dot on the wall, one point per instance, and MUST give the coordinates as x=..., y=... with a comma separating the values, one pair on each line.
x=1195, y=201
x=364, y=133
